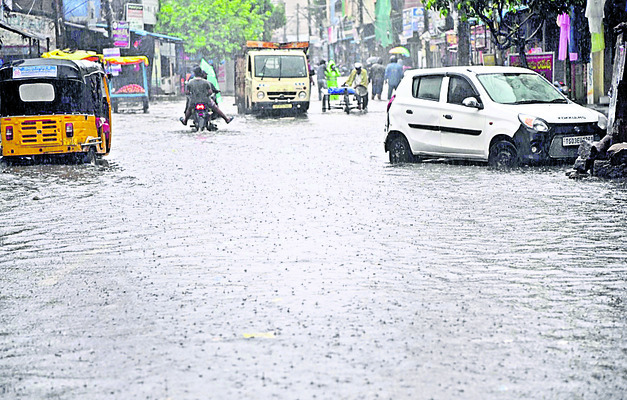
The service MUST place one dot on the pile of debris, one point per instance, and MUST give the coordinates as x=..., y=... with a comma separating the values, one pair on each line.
x=608, y=157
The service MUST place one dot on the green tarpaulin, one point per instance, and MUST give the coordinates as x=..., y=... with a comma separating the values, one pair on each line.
x=382, y=23
x=211, y=76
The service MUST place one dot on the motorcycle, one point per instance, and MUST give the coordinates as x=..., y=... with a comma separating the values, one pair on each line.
x=202, y=115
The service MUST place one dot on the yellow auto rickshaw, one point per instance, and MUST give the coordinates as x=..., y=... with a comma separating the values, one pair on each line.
x=54, y=109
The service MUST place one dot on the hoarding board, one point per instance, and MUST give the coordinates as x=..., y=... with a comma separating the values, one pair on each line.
x=542, y=63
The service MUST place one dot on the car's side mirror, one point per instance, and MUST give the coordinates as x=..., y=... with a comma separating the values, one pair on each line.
x=472, y=102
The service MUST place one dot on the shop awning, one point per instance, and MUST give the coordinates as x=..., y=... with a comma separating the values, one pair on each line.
x=22, y=32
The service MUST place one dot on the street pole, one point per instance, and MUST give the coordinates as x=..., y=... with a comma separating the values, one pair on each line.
x=108, y=14
x=298, y=22
x=309, y=18
x=361, y=30
x=284, y=28
x=59, y=24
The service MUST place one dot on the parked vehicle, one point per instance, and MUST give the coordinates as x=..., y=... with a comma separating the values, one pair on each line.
x=53, y=108
x=272, y=77
x=504, y=116
x=129, y=81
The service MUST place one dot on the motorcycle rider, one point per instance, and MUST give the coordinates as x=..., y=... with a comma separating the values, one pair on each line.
x=359, y=76
x=199, y=90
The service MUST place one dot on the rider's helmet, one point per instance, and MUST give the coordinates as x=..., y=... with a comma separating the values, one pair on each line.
x=358, y=65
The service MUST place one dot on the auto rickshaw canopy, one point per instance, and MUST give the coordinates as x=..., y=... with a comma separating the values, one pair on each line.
x=74, y=55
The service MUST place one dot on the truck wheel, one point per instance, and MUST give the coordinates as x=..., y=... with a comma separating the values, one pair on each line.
x=503, y=154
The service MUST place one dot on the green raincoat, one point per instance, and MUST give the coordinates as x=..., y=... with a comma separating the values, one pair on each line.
x=331, y=75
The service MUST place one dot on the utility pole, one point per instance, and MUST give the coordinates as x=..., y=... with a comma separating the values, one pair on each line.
x=284, y=27
x=361, y=30
x=298, y=22
x=59, y=24
x=309, y=18
x=108, y=15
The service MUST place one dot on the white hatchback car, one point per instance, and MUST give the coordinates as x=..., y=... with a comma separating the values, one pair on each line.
x=504, y=116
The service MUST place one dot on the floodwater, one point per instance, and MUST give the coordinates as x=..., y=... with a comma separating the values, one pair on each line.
x=286, y=258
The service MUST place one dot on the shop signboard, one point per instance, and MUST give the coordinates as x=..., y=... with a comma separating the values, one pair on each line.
x=135, y=15
x=413, y=21
x=418, y=19
x=407, y=23
x=121, y=34
x=542, y=63
x=113, y=69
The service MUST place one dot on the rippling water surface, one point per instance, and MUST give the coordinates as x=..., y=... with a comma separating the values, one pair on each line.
x=287, y=258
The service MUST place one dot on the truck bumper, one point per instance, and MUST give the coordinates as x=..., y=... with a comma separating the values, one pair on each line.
x=280, y=106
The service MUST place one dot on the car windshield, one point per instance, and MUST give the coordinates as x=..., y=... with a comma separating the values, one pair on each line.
x=276, y=66
x=520, y=88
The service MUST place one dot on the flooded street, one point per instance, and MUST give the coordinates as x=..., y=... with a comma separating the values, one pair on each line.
x=287, y=258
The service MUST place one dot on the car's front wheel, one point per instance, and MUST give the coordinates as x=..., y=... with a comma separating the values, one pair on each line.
x=400, y=152
x=503, y=154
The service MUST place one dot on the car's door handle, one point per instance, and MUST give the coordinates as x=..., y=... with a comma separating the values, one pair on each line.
x=409, y=111
x=448, y=116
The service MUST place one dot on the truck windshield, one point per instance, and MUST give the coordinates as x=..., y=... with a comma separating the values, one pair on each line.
x=279, y=66
x=520, y=88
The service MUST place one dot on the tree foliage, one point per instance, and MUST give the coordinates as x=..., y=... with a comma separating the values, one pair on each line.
x=510, y=22
x=215, y=28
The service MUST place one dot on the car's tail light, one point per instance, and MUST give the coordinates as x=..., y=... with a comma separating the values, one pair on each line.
x=200, y=106
x=9, y=133
x=390, y=102
x=69, y=129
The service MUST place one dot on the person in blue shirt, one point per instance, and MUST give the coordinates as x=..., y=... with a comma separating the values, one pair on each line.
x=393, y=75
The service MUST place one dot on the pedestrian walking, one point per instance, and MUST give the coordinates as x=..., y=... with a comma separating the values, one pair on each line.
x=377, y=74
x=393, y=75
x=321, y=74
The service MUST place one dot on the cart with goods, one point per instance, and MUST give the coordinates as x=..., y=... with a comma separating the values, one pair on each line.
x=129, y=81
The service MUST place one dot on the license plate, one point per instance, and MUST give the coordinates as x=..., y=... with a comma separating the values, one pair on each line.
x=576, y=140
x=282, y=106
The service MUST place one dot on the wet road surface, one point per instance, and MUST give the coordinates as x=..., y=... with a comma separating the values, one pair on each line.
x=286, y=258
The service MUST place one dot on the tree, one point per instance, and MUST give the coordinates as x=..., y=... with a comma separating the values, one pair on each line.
x=512, y=23
x=215, y=28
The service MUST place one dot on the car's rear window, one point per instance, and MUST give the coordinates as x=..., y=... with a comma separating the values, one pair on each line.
x=427, y=87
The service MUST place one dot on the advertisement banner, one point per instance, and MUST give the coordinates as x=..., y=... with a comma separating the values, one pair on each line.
x=542, y=63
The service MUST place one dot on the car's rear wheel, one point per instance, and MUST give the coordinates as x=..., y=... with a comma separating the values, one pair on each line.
x=503, y=154
x=400, y=152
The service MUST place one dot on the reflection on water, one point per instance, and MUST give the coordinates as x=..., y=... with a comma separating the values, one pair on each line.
x=356, y=278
